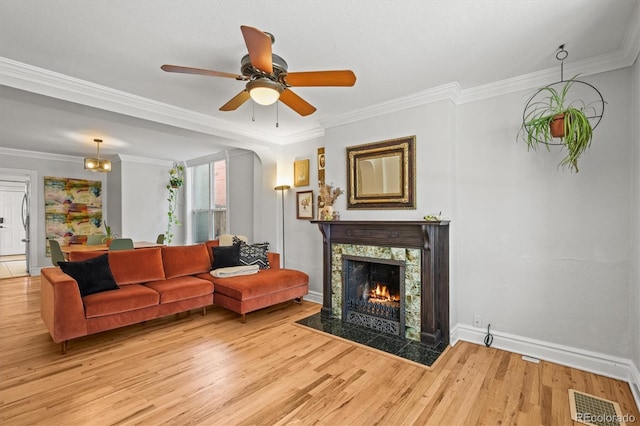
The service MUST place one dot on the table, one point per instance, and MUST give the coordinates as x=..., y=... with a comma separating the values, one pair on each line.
x=103, y=247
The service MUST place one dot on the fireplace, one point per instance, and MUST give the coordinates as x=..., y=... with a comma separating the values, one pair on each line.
x=412, y=255
x=373, y=293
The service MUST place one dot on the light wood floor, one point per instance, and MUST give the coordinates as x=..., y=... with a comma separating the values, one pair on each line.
x=214, y=370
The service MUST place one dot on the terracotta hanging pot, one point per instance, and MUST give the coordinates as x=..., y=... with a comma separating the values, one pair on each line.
x=557, y=126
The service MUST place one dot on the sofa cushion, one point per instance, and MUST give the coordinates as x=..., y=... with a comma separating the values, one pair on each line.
x=253, y=254
x=210, y=244
x=181, y=288
x=92, y=275
x=126, y=298
x=136, y=266
x=264, y=282
x=76, y=256
x=225, y=256
x=180, y=261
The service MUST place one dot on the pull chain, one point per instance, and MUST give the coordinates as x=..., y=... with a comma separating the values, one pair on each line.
x=277, y=114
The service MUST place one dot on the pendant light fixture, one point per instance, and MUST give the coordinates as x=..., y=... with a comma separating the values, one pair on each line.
x=97, y=164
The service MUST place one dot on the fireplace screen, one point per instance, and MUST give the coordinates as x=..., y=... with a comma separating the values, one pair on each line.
x=373, y=292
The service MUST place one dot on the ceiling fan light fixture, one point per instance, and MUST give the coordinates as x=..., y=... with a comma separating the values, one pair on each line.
x=97, y=164
x=264, y=91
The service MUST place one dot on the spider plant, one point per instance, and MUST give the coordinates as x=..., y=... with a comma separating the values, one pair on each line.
x=575, y=129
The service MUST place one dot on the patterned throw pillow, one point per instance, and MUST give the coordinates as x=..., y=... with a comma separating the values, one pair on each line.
x=253, y=254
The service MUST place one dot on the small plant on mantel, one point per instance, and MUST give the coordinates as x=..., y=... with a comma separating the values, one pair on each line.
x=176, y=180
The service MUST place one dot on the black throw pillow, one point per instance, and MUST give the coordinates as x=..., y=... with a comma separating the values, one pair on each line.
x=225, y=256
x=93, y=275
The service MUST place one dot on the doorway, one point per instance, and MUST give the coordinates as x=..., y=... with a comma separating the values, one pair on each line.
x=15, y=229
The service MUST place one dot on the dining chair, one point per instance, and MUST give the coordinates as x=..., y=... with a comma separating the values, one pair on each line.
x=160, y=239
x=121, y=244
x=56, y=252
x=97, y=239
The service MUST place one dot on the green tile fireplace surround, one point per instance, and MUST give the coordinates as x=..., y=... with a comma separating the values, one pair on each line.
x=421, y=248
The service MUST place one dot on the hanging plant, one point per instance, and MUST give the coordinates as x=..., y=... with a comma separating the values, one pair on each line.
x=551, y=118
x=176, y=180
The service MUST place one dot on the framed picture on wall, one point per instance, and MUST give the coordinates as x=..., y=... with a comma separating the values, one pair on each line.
x=301, y=173
x=304, y=205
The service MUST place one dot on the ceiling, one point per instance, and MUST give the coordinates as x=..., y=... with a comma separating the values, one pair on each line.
x=74, y=70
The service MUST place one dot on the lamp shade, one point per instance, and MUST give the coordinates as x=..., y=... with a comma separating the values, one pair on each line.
x=264, y=91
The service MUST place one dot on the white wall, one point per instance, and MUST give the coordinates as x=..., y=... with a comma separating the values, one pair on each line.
x=634, y=300
x=544, y=253
x=242, y=168
x=143, y=203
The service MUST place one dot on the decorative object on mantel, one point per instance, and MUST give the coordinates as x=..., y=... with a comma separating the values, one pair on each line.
x=381, y=175
x=433, y=217
x=176, y=180
x=97, y=164
x=555, y=111
x=328, y=196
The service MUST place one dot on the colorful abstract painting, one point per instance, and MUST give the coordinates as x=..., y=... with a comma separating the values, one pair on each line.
x=72, y=210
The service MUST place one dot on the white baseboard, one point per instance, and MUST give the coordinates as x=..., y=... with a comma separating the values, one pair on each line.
x=593, y=362
x=314, y=296
x=634, y=383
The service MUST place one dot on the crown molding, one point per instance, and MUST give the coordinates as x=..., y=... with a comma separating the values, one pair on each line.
x=38, y=80
x=143, y=160
x=446, y=91
x=41, y=155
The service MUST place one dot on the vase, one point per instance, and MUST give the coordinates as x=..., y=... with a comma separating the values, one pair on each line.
x=327, y=213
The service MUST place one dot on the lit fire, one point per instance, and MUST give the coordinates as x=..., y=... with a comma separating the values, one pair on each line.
x=381, y=293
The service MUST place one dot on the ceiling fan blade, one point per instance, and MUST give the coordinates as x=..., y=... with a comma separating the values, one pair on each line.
x=321, y=78
x=200, y=71
x=236, y=101
x=296, y=103
x=259, y=47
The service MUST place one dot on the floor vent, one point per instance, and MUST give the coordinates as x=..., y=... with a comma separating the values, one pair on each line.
x=591, y=410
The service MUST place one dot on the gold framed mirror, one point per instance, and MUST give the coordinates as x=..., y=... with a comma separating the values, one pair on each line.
x=381, y=175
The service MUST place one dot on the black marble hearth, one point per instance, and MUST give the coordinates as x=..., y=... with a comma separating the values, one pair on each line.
x=411, y=350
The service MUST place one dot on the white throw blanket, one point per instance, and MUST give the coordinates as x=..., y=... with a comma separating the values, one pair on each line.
x=233, y=271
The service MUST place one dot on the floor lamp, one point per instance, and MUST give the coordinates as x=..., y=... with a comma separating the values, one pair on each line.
x=282, y=188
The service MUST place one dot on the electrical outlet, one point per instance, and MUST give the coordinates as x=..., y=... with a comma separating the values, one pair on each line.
x=477, y=321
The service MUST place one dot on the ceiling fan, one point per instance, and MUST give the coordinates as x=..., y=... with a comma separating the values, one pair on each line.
x=267, y=76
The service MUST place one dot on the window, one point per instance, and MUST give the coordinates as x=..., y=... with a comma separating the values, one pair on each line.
x=209, y=200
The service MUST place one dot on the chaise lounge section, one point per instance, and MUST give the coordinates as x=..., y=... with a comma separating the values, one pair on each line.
x=157, y=282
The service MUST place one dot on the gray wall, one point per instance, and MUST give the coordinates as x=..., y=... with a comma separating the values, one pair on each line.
x=540, y=252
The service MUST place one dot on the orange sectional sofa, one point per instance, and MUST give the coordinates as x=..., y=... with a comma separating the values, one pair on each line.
x=156, y=282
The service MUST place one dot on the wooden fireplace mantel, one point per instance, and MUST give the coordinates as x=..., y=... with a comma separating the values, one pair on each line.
x=432, y=238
